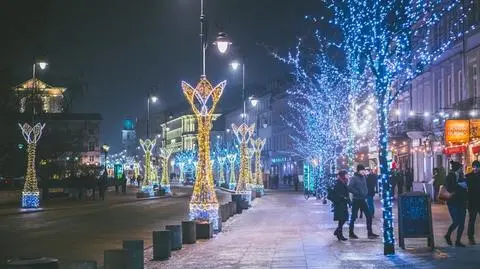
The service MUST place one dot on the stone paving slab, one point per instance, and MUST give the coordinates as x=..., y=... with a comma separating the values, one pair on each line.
x=283, y=230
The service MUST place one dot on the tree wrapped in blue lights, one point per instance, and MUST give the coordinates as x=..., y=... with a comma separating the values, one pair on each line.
x=184, y=160
x=391, y=40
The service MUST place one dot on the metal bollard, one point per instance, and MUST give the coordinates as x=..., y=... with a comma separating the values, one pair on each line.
x=162, y=246
x=176, y=236
x=34, y=263
x=189, y=232
x=135, y=250
x=115, y=259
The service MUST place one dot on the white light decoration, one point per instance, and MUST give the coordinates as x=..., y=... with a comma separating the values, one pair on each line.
x=251, y=180
x=258, y=145
x=31, y=193
x=221, y=163
x=181, y=167
x=165, y=183
x=232, y=183
x=147, y=185
x=243, y=133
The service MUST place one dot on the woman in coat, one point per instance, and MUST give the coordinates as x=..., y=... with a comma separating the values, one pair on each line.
x=340, y=200
x=457, y=204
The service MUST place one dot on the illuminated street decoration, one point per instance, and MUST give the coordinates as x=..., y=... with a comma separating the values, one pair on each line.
x=147, y=146
x=165, y=183
x=258, y=145
x=221, y=163
x=181, y=166
x=31, y=193
x=204, y=204
x=251, y=181
x=232, y=183
x=243, y=134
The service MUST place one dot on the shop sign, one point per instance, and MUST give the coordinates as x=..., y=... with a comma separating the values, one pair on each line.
x=474, y=128
x=457, y=131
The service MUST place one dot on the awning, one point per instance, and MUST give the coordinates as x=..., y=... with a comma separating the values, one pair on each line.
x=476, y=149
x=454, y=150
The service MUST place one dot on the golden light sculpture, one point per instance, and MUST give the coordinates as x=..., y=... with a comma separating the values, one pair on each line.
x=165, y=183
x=251, y=179
x=147, y=185
x=258, y=145
x=204, y=203
x=221, y=163
x=31, y=193
x=243, y=134
x=232, y=183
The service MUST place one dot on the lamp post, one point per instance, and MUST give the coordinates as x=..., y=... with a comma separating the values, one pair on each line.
x=105, y=149
x=150, y=99
x=235, y=65
x=42, y=66
x=254, y=103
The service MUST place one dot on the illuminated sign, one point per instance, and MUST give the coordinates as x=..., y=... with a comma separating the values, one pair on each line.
x=457, y=131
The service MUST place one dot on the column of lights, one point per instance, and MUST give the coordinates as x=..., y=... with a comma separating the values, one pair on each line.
x=258, y=145
x=243, y=133
x=221, y=163
x=181, y=167
x=165, y=183
x=251, y=181
x=31, y=193
x=204, y=204
x=147, y=146
x=232, y=183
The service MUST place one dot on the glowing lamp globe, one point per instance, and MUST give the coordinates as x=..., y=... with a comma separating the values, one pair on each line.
x=42, y=65
x=222, y=42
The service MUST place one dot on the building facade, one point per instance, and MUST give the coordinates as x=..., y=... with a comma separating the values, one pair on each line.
x=49, y=99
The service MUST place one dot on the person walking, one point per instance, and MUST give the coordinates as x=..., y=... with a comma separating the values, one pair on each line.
x=438, y=180
x=457, y=203
x=473, y=183
x=372, y=189
x=341, y=200
x=409, y=179
x=358, y=187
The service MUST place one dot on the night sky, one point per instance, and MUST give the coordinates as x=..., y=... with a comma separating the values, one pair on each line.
x=123, y=48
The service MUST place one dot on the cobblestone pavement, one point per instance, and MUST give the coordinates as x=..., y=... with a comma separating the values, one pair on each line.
x=283, y=230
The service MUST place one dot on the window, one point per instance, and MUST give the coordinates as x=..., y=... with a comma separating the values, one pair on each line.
x=460, y=86
x=91, y=159
x=91, y=146
x=450, y=92
x=439, y=95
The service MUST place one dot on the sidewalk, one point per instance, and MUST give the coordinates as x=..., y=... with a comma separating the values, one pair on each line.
x=283, y=230
x=111, y=198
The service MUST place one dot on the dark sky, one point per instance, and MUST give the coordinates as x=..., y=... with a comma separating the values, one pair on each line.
x=122, y=48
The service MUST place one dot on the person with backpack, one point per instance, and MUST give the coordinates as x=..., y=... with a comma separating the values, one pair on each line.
x=358, y=187
x=456, y=186
x=340, y=199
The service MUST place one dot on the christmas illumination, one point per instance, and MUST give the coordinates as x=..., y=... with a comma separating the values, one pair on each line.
x=147, y=186
x=258, y=145
x=31, y=193
x=221, y=163
x=243, y=134
x=181, y=166
x=232, y=183
x=136, y=170
x=204, y=204
x=165, y=183
x=251, y=180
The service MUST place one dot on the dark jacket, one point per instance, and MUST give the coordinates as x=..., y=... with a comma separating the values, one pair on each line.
x=340, y=201
x=372, y=184
x=459, y=194
x=473, y=181
x=358, y=187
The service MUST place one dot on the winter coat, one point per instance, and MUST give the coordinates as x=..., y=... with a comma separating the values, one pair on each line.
x=340, y=201
x=459, y=194
x=372, y=184
x=473, y=181
x=358, y=187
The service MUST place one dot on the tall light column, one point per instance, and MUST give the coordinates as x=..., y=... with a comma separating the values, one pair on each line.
x=232, y=183
x=221, y=163
x=204, y=204
x=243, y=134
x=258, y=145
x=251, y=182
x=31, y=193
x=147, y=186
x=165, y=183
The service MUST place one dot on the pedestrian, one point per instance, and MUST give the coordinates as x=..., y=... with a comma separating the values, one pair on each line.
x=473, y=183
x=372, y=189
x=457, y=203
x=102, y=183
x=438, y=180
x=409, y=180
x=124, y=183
x=341, y=200
x=295, y=182
x=358, y=187
x=400, y=181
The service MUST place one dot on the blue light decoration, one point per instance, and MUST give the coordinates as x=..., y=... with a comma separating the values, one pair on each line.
x=31, y=193
x=232, y=183
x=187, y=159
x=384, y=44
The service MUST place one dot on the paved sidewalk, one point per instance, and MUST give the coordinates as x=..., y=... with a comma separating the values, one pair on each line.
x=111, y=198
x=283, y=230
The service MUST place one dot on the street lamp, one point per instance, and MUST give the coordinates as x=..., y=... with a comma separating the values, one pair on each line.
x=150, y=99
x=105, y=149
x=42, y=66
x=222, y=42
x=235, y=65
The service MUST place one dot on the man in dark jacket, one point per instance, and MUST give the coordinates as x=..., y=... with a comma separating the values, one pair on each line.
x=358, y=187
x=372, y=189
x=473, y=182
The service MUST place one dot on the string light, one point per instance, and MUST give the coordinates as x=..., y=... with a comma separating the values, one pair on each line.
x=165, y=183
x=147, y=185
x=243, y=132
x=31, y=193
x=232, y=183
x=258, y=145
x=204, y=204
x=221, y=163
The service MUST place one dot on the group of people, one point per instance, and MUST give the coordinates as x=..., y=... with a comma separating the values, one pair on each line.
x=362, y=185
x=464, y=193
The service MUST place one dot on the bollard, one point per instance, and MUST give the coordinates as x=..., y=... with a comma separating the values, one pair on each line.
x=162, y=246
x=115, y=259
x=232, y=209
x=135, y=251
x=235, y=208
x=258, y=194
x=176, y=236
x=237, y=198
x=224, y=214
x=34, y=263
x=189, y=232
x=253, y=195
x=80, y=265
x=204, y=230
x=219, y=225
